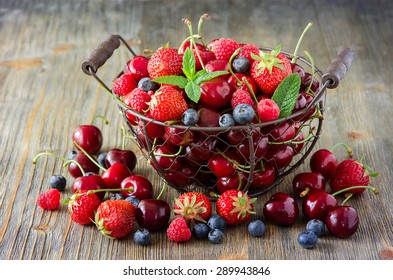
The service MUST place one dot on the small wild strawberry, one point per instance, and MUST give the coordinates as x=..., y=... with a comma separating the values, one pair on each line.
x=193, y=206
x=49, y=200
x=178, y=231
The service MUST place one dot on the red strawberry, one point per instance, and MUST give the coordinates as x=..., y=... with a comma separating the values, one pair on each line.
x=138, y=100
x=193, y=206
x=82, y=207
x=124, y=84
x=268, y=110
x=241, y=96
x=115, y=218
x=167, y=104
x=49, y=200
x=178, y=230
x=165, y=62
x=247, y=50
x=224, y=48
x=235, y=206
x=350, y=173
x=269, y=69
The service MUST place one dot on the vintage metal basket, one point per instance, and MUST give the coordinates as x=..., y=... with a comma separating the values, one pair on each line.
x=255, y=151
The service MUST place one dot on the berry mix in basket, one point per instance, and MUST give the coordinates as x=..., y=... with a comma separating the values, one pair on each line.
x=227, y=117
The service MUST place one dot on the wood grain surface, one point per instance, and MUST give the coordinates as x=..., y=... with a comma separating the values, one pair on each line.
x=44, y=95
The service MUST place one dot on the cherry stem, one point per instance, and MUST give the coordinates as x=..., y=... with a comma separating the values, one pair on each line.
x=123, y=140
x=347, y=197
x=201, y=19
x=291, y=141
x=373, y=189
x=192, y=41
x=299, y=42
x=245, y=81
x=162, y=190
x=78, y=194
x=90, y=157
x=170, y=155
x=235, y=53
x=349, y=150
x=100, y=117
x=66, y=161
x=312, y=70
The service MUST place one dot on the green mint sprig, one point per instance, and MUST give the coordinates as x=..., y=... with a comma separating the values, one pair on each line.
x=286, y=94
x=192, y=80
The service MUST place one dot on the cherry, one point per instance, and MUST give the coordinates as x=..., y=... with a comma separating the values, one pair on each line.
x=236, y=136
x=342, y=221
x=84, y=162
x=183, y=177
x=187, y=44
x=265, y=177
x=236, y=82
x=200, y=151
x=208, y=118
x=89, y=137
x=178, y=136
x=281, y=209
x=141, y=187
x=301, y=103
x=153, y=214
x=303, y=182
x=89, y=182
x=218, y=65
x=167, y=157
x=260, y=146
x=126, y=157
x=237, y=181
x=307, y=80
x=280, y=155
x=221, y=166
x=317, y=203
x=216, y=93
x=298, y=143
x=296, y=68
x=282, y=132
x=115, y=174
x=137, y=66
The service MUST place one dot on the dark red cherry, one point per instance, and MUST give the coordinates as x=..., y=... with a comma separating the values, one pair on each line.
x=236, y=136
x=115, y=174
x=237, y=181
x=208, y=117
x=166, y=157
x=298, y=143
x=217, y=65
x=142, y=187
x=296, y=68
x=126, y=157
x=179, y=136
x=303, y=182
x=200, y=151
x=89, y=182
x=265, y=177
x=184, y=177
x=260, y=146
x=89, y=137
x=306, y=81
x=187, y=44
x=86, y=164
x=216, y=93
x=137, y=66
x=325, y=162
x=317, y=203
x=342, y=221
x=303, y=100
x=221, y=166
x=284, y=132
x=238, y=83
x=281, y=209
x=153, y=214
x=280, y=156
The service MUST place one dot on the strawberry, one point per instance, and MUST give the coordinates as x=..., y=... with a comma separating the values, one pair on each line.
x=269, y=69
x=350, y=173
x=165, y=62
x=138, y=100
x=124, y=84
x=115, y=218
x=247, y=50
x=49, y=200
x=241, y=96
x=224, y=48
x=82, y=207
x=167, y=104
x=235, y=206
x=178, y=230
x=193, y=206
x=267, y=110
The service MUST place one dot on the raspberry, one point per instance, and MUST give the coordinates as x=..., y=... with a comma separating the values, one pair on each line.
x=178, y=230
x=49, y=200
x=268, y=110
x=241, y=96
x=224, y=48
x=246, y=51
x=124, y=84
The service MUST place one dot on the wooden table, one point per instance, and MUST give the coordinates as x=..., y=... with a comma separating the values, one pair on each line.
x=44, y=95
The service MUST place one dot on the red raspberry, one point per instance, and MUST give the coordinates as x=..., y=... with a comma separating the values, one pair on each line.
x=49, y=200
x=241, y=96
x=247, y=49
x=224, y=48
x=124, y=84
x=178, y=230
x=268, y=110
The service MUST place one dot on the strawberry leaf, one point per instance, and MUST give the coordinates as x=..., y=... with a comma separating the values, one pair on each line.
x=179, y=81
x=189, y=64
x=193, y=91
x=286, y=94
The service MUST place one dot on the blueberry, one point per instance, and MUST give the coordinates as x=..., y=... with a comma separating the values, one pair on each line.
x=217, y=222
x=133, y=199
x=316, y=226
x=307, y=239
x=116, y=196
x=201, y=230
x=72, y=155
x=256, y=228
x=146, y=84
x=215, y=236
x=243, y=113
x=58, y=182
x=190, y=117
x=241, y=65
x=142, y=237
x=101, y=159
x=226, y=120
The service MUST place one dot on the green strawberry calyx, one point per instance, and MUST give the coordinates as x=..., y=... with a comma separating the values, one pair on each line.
x=190, y=209
x=242, y=204
x=268, y=60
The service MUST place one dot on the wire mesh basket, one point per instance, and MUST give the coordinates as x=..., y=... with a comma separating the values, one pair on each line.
x=210, y=159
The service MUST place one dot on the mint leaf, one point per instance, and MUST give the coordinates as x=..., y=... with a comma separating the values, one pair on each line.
x=189, y=64
x=193, y=91
x=286, y=94
x=207, y=76
x=179, y=81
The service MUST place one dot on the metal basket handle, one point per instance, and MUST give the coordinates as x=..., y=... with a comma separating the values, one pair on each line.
x=338, y=68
